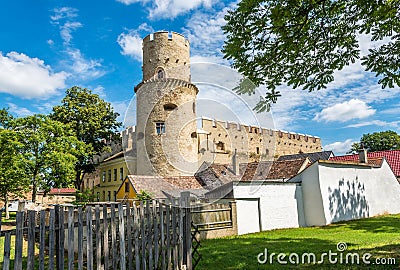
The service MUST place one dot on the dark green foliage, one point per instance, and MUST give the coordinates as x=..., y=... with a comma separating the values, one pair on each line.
x=14, y=179
x=49, y=149
x=302, y=43
x=378, y=141
x=84, y=197
x=93, y=122
x=144, y=196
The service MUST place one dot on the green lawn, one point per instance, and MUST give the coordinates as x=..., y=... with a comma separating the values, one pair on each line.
x=12, y=217
x=379, y=236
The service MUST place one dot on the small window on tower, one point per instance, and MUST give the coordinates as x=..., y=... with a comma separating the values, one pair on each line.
x=160, y=127
x=170, y=106
x=160, y=73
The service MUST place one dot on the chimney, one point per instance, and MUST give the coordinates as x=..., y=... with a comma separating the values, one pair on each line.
x=235, y=166
x=362, y=154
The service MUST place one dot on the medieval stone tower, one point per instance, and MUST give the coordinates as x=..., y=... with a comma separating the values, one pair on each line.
x=166, y=108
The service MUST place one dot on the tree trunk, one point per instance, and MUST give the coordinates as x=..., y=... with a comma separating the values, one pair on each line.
x=34, y=190
x=6, y=207
x=78, y=180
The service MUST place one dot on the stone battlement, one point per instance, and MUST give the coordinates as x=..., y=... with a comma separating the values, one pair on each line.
x=261, y=130
x=165, y=35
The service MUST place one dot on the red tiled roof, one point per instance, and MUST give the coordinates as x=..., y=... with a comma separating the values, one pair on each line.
x=392, y=157
x=62, y=190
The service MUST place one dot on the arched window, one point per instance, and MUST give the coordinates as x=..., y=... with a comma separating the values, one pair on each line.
x=160, y=73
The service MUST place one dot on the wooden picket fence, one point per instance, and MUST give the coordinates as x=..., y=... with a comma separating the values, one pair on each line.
x=150, y=235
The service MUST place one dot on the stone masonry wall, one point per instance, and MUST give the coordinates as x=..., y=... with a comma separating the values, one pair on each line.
x=167, y=51
x=251, y=143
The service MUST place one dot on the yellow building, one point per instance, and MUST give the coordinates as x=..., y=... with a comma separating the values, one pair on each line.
x=113, y=171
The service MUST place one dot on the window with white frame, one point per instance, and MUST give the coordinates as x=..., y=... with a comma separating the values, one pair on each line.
x=160, y=127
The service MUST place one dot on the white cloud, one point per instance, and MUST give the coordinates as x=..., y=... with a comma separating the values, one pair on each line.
x=348, y=110
x=206, y=36
x=99, y=90
x=378, y=123
x=76, y=63
x=161, y=9
x=173, y=8
x=131, y=41
x=63, y=17
x=28, y=77
x=393, y=110
x=64, y=13
x=208, y=59
x=82, y=67
x=131, y=44
x=67, y=29
x=129, y=2
x=339, y=148
x=19, y=111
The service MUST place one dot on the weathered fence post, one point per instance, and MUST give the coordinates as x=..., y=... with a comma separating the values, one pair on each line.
x=31, y=239
x=121, y=229
x=187, y=235
x=19, y=241
x=7, y=248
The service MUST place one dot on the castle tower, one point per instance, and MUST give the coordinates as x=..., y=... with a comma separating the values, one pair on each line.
x=166, y=108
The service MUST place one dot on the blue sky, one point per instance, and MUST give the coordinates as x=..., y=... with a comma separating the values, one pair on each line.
x=47, y=46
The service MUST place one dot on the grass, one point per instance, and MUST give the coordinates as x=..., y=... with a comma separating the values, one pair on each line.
x=379, y=236
x=11, y=219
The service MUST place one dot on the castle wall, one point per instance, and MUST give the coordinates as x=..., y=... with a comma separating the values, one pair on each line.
x=251, y=143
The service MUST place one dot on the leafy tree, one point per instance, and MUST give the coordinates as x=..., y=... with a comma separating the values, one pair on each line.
x=302, y=43
x=5, y=119
x=84, y=197
x=144, y=196
x=13, y=177
x=94, y=123
x=377, y=141
x=50, y=150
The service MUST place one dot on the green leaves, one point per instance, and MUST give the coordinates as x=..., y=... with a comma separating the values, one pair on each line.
x=302, y=43
x=49, y=148
x=378, y=141
x=13, y=175
x=92, y=121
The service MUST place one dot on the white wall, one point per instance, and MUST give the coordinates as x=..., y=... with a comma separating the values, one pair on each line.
x=357, y=192
x=333, y=192
x=312, y=199
x=281, y=205
x=248, y=220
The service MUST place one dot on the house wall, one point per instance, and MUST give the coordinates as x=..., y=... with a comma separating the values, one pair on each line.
x=351, y=192
x=123, y=194
x=109, y=185
x=334, y=192
x=280, y=205
x=312, y=198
